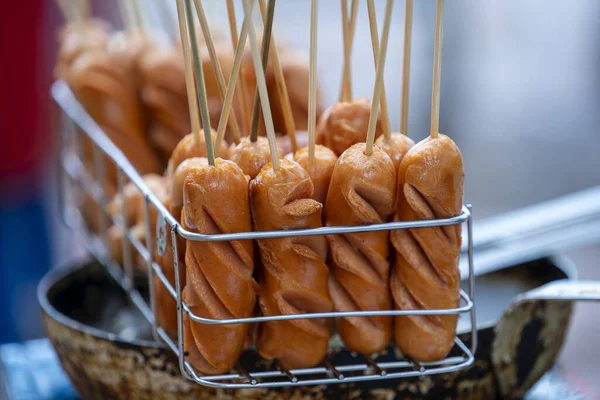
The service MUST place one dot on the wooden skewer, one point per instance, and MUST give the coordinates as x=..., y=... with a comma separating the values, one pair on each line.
x=74, y=13
x=385, y=34
x=352, y=23
x=82, y=9
x=437, y=70
x=261, y=85
x=233, y=77
x=85, y=9
x=234, y=41
x=189, y=73
x=266, y=45
x=286, y=107
x=348, y=29
x=345, y=73
x=351, y=30
x=65, y=10
x=312, y=83
x=199, y=78
x=232, y=23
x=71, y=12
x=79, y=16
x=137, y=15
x=406, y=66
x=216, y=64
x=385, y=116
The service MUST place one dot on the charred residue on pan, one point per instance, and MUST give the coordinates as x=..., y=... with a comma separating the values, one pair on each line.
x=530, y=345
x=79, y=346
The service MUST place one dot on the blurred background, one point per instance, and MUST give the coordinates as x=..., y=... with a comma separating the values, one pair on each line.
x=520, y=95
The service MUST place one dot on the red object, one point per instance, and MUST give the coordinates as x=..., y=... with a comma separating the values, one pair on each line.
x=25, y=138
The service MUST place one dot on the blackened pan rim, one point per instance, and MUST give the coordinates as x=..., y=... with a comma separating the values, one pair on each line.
x=53, y=278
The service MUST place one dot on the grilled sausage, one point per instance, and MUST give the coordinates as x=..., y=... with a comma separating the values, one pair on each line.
x=75, y=39
x=425, y=274
x=219, y=282
x=165, y=303
x=251, y=156
x=188, y=148
x=134, y=218
x=345, y=124
x=164, y=97
x=105, y=86
x=294, y=275
x=361, y=192
x=132, y=197
x=395, y=147
x=320, y=169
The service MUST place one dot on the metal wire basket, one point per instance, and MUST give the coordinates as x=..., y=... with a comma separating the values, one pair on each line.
x=76, y=125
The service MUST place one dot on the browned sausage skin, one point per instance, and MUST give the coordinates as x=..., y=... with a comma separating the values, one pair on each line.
x=164, y=97
x=251, y=156
x=396, y=146
x=320, y=169
x=165, y=304
x=426, y=275
x=294, y=275
x=189, y=148
x=345, y=124
x=362, y=191
x=74, y=39
x=219, y=282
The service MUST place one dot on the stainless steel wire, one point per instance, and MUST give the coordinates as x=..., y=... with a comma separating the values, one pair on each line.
x=76, y=122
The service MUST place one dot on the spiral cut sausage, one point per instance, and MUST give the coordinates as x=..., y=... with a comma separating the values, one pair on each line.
x=164, y=96
x=361, y=192
x=426, y=275
x=345, y=124
x=166, y=306
x=319, y=169
x=219, y=274
x=294, y=276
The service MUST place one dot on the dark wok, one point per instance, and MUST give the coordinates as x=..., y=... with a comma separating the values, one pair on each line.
x=105, y=345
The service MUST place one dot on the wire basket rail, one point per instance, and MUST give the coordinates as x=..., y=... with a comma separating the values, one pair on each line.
x=75, y=126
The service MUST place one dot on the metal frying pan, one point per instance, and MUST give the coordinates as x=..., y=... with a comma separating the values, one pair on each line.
x=523, y=311
x=105, y=349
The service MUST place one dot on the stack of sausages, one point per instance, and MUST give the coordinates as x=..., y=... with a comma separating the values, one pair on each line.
x=244, y=191
x=132, y=83
x=407, y=269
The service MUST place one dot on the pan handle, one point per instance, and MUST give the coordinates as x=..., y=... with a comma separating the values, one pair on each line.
x=531, y=332
x=565, y=289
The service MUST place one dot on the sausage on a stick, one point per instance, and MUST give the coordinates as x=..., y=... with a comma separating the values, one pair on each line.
x=294, y=276
x=426, y=274
x=362, y=192
x=219, y=282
